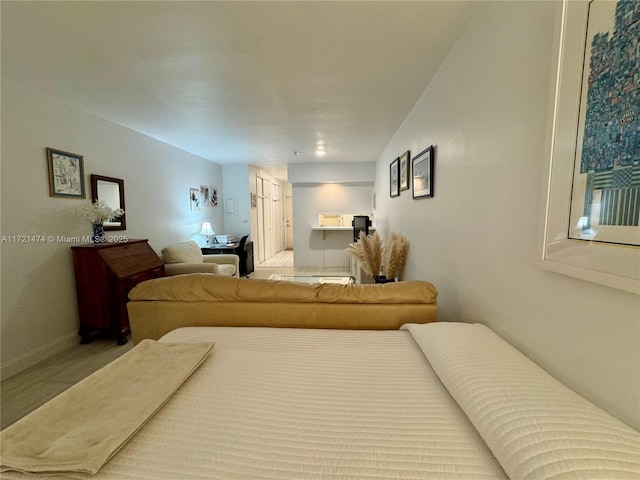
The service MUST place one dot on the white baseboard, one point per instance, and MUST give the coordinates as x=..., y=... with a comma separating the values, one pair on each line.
x=33, y=357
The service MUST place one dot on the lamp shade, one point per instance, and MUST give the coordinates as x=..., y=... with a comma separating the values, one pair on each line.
x=206, y=230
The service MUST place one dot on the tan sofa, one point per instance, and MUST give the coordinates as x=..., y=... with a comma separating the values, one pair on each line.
x=158, y=306
x=186, y=257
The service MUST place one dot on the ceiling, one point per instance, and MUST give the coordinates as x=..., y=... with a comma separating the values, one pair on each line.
x=236, y=81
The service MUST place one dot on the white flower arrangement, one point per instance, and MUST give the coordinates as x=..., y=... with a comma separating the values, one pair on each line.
x=98, y=212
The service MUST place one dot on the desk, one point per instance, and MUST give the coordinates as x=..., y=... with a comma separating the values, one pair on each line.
x=246, y=255
x=105, y=273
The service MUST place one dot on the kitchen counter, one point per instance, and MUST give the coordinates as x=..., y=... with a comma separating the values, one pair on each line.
x=337, y=229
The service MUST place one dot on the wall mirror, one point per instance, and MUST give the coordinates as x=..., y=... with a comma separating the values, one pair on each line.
x=111, y=191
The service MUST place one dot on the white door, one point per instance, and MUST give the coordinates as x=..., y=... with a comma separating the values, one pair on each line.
x=259, y=244
x=288, y=219
x=264, y=220
x=265, y=206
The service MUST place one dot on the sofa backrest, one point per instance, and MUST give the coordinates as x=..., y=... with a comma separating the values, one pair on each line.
x=203, y=287
x=156, y=307
x=183, y=252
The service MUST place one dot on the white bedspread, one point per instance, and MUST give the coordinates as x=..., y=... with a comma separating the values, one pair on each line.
x=306, y=404
x=326, y=404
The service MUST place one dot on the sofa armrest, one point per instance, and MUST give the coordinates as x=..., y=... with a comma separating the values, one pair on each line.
x=224, y=259
x=183, y=268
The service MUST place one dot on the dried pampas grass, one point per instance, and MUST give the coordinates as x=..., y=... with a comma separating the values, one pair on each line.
x=371, y=253
x=395, y=255
x=368, y=249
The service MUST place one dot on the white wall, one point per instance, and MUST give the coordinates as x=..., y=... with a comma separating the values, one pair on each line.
x=317, y=248
x=39, y=313
x=315, y=189
x=236, y=183
x=488, y=114
x=320, y=173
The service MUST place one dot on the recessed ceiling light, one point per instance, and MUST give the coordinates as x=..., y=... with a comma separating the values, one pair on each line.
x=320, y=153
x=296, y=153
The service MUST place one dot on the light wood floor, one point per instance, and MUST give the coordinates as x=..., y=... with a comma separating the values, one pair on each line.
x=30, y=388
x=34, y=386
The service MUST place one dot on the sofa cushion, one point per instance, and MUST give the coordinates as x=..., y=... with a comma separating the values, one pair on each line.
x=184, y=252
x=225, y=269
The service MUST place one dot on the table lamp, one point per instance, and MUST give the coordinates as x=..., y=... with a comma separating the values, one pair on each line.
x=207, y=232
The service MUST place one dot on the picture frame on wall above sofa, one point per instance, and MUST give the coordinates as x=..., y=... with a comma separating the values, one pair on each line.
x=422, y=179
x=66, y=174
x=394, y=178
x=405, y=167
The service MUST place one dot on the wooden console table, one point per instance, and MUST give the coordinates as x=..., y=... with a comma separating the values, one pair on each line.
x=105, y=273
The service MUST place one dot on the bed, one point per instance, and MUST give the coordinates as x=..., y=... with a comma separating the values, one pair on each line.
x=439, y=400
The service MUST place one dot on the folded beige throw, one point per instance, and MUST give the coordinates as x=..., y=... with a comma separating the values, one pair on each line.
x=79, y=430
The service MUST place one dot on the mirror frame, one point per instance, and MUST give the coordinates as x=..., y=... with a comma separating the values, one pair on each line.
x=94, y=197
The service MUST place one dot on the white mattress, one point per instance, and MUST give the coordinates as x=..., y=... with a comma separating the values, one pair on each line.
x=306, y=404
x=328, y=404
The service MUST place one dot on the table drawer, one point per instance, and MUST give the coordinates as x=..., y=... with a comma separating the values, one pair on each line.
x=131, y=281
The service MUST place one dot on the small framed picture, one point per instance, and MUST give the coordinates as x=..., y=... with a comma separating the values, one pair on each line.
x=394, y=178
x=230, y=206
x=205, y=196
x=194, y=199
x=66, y=174
x=405, y=163
x=208, y=196
x=422, y=179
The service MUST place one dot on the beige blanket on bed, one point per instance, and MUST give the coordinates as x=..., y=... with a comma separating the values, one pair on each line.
x=82, y=428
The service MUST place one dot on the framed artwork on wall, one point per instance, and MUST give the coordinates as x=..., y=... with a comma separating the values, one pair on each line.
x=231, y=206
x=394, y=178
x=422, y=168
x=66, y=174
x=194, y=199
x=208, y=196
x=205, y=196
x=592, y=212
x=405, y=165
x=605, y=198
